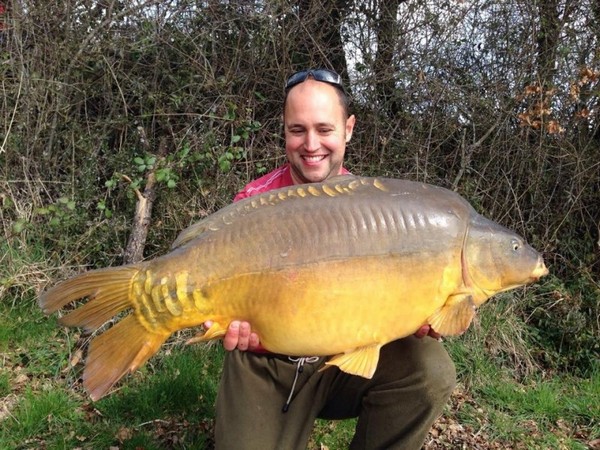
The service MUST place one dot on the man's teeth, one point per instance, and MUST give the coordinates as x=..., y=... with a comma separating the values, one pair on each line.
x=313, y=158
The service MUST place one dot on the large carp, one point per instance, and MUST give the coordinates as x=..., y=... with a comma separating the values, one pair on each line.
x=335, y=268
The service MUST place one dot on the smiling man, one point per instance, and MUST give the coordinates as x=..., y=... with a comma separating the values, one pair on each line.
x=317, y=127
x=268, y=401
x=316, y=131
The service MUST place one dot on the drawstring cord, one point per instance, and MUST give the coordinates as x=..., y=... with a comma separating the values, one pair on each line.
x=299, y=369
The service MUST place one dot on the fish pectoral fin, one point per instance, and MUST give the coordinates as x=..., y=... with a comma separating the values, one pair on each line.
x=361, y=361
x=454, y=317
x=216, y=331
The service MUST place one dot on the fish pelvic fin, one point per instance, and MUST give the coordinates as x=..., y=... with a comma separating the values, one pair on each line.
x=107, y=290
x=454, y=317
x=216, y=331
x=117, y=352
x=361, y=361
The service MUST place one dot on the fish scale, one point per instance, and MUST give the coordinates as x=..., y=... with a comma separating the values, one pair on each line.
x=333, y=269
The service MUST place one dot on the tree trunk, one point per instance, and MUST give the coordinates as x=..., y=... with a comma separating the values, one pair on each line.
x=387, y=31
x=547, y=40
x=320, y=43
x=134, y=252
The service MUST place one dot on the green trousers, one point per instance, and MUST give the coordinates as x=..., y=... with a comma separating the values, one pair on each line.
x=395, y=409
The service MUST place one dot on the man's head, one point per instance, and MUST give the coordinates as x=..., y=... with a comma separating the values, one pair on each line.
x=317, y=125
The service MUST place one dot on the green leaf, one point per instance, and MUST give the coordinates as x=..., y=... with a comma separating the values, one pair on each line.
x=185, y=150
x=19, y=226
x=224, y=164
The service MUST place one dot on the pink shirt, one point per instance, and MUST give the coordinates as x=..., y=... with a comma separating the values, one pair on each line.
x=280, y=177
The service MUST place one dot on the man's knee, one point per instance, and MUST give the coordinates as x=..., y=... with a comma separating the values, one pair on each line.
x=439, y=380
x=422, y=363
x=411, y=386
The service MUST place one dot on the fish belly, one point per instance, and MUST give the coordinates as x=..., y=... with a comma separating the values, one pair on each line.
x=328, y=307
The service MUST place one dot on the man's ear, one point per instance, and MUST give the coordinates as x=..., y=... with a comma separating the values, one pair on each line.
x=350, y=121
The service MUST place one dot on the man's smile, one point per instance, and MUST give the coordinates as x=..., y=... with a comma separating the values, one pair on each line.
x=313, y=158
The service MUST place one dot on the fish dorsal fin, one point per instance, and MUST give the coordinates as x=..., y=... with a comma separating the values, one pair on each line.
x=191, y=232
x=209, y=224
x=361, y=361
x=455, y=316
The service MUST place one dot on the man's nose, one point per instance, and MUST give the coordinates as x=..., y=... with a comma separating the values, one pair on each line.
x=311, y=143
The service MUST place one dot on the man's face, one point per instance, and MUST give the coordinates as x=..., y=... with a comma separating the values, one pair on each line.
x=316, y=131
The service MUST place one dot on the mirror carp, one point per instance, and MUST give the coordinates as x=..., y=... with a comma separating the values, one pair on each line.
x=336, y=268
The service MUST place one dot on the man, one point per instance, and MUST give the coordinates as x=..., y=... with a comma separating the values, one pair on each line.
x=269, y=401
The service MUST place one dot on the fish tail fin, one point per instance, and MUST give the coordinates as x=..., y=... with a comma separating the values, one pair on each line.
x=122, y=348
x=108, y=291
x=117, y=352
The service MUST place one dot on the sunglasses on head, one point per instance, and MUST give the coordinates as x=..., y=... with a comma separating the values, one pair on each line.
x=324, y=75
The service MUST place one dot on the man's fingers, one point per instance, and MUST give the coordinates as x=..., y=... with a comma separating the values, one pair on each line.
x=254, y=342
x=422, y=332
x=244, y=336
x=434, y=335
x=239, y=335
x=230, y=341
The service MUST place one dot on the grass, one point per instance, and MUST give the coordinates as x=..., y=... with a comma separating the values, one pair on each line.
x=512, y=399
x=170, y=399
x=503, y=398
x=41, y=417
x=558, y=412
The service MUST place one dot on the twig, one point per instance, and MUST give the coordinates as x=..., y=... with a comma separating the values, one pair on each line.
x=12, y=118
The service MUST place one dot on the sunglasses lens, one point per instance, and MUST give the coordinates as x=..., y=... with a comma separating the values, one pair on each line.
x=324, y=75
x=296, y=78
x=327, y=76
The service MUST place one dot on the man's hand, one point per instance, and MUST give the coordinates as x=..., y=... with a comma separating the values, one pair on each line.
x=239, y=335
x=426, y=330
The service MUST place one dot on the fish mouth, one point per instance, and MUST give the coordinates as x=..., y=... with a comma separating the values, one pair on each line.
x=540, y=270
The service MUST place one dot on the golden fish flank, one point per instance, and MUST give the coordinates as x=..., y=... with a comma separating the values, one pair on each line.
x=338, y=268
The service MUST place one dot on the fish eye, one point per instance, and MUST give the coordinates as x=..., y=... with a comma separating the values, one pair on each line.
x=516, y=245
